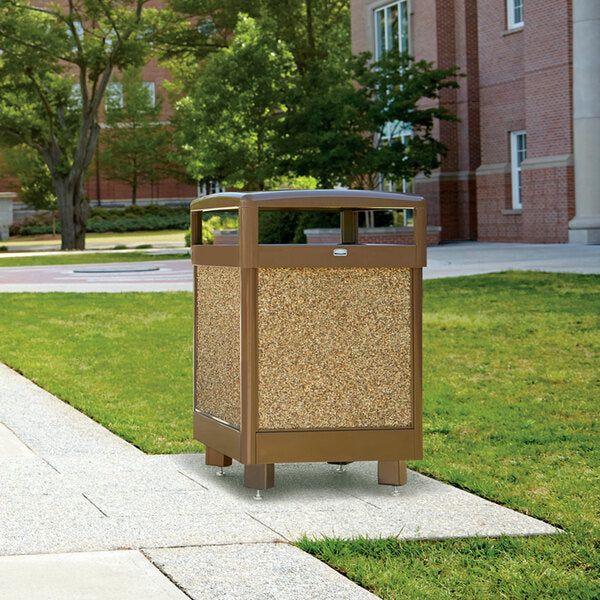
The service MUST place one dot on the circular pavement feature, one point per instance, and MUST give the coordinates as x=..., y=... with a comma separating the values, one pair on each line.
x=118, y=270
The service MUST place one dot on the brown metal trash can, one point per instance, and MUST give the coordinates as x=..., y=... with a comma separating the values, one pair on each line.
x=306, y=353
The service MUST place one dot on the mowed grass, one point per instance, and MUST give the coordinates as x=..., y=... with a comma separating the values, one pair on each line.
x=82, y=258
x=511, y=390
x=123, y=359
x=511, y=386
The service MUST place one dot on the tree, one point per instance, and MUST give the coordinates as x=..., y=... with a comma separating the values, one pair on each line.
x=135, y=144
x=371, y=120
x=35, y=182
x=226, y=128
x=55, y=64
x=341, y=119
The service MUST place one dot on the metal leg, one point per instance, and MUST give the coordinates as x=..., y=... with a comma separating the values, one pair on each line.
x=391, y=472
x=259, y=477
x=215, y=458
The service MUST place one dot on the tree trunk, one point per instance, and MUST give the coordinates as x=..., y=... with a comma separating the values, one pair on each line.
x=73, y=211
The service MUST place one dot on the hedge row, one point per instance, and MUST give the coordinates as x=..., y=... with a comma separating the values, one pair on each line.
x=101, y=225
x=134, y=210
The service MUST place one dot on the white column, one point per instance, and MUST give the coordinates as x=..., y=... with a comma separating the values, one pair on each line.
x=6, y=213
x=585, y=227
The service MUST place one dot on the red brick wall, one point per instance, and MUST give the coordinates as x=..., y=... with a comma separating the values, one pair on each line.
x=378, y=235
x=548, y=205
x=493, y=194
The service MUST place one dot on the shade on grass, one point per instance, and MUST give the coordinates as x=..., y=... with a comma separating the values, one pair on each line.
x=510, y=412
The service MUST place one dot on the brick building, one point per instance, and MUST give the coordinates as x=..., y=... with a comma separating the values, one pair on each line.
x=98, y=188
x=524, y=162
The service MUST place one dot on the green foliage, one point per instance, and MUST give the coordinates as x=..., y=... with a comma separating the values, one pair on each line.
x=212, y=222
x=135, y=145
x=226, y=127
x=149, y=223
x=135, y=210
x=36, y=189
x=324, y=133
x=307, y=112
x=287, y=227
x=392, y=91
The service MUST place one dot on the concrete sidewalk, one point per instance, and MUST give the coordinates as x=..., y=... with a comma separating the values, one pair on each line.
x=474, y=258
x=85, y=515
x=447, y=260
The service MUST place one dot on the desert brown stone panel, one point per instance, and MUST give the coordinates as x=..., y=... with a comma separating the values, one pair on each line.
x=217, y=350
x=334, y=348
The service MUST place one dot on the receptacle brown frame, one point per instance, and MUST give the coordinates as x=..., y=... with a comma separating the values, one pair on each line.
x=247, y=444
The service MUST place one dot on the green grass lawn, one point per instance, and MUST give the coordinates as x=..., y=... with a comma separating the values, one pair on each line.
x=510, y=412
x=123, y=359
x=86, y=258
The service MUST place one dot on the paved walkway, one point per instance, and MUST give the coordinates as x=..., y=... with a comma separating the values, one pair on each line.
x=447, y=260
x=85, y=515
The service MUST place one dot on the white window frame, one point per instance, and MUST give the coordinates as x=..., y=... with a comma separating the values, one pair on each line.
x=403, y=40
x=517, y=156
x=151, y=87
x=512, y=6
x=209, y=186
x=76, y=96
x=113, y=89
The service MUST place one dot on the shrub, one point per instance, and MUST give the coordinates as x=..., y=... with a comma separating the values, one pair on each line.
x=120, y=224
x=131, y=218
x=287, y=227
x=210, y=223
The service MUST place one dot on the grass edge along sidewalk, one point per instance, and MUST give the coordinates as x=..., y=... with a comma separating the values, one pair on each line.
x=509, y=362
x=83, y=258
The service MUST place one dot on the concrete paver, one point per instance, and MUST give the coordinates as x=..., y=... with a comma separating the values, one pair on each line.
x=258, y=571
x=10, y=445
x=84, y=576
x=475, y=258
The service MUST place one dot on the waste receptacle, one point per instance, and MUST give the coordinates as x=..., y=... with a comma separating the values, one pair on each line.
x=308, y=353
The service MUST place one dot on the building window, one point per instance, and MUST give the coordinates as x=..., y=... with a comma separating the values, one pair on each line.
x=515, y=13
x=391, y=28
x=114, y=95
x=151, y=89
x=209, y=186
x=76, y=97
x=518, y=153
